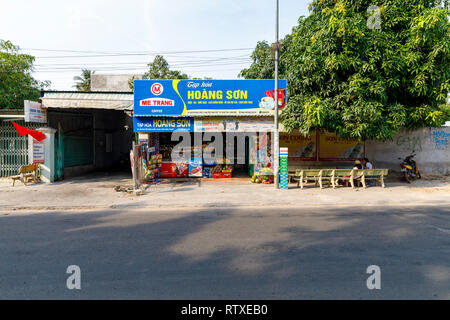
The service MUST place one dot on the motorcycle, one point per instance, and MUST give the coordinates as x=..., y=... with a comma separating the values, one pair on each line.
x=409, y=168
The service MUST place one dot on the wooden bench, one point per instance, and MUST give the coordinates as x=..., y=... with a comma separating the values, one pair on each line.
x=346, y=175
x=326, y=175
x=332, y=176
x=360, y=176
x=305, y=175
x=292, y=173
x=27, y=173
x=319, y=176
x=373, y=174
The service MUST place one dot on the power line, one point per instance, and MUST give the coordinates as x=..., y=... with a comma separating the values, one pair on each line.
x=141, y=53
x=106, y=66
x=134, y=66
x=134, y=52
x=122, y=68
x=180, y=60
x=236, y=58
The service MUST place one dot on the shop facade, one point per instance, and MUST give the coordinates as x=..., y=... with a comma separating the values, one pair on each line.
x=224, y=128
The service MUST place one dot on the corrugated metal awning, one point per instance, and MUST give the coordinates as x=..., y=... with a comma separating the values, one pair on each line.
x=88, y=100
x=11, y=115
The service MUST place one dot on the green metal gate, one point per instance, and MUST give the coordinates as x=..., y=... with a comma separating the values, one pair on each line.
x=78, y=151
x=13, y=148
x=59, y=154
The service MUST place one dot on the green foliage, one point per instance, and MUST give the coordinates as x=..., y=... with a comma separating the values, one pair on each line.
x=16, y=82
x=263, y=61
x=159, y=70
x=83, y=82
x=446, y=110
x=359, y=81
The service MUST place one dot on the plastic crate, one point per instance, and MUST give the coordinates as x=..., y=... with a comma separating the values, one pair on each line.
x=217, y=175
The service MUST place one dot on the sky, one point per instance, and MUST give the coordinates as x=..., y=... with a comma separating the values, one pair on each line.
x=122, y=37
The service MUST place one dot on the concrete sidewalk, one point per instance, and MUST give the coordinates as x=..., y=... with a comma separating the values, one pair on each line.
x=97, y=191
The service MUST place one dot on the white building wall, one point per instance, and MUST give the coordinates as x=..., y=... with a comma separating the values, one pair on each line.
x=432, y=146
x=112, y=82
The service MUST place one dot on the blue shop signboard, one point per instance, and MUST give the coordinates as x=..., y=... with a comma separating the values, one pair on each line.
x=163, y=124
x=206, y=97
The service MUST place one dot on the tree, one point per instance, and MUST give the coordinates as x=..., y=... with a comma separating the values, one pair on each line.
x=16, y=82
x=159, y=70
x=351, y=75
x=84, y=81
x=262, y=66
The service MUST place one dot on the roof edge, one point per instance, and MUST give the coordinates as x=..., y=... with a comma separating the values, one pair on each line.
x=85, y=92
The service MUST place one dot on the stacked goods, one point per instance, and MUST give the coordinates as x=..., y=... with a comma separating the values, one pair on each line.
x=152, y=167
x=255, y=179
x=267, y=179
x=222, y=171
x=207, y=172
x=265, y=176
x=217, y=171
x=152, y=174
x=226, y=171
x=227, y=168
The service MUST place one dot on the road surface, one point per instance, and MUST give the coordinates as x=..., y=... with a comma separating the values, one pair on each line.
x=318, y=252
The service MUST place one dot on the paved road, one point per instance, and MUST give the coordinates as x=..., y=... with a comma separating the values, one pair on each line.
x=228, y=253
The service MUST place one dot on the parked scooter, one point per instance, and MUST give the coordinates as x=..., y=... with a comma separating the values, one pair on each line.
x=409, y=168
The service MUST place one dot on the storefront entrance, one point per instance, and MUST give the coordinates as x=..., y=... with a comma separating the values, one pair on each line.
x=207, y=155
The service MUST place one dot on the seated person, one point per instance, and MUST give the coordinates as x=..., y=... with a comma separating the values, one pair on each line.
x=357, y=166
x=367, y=164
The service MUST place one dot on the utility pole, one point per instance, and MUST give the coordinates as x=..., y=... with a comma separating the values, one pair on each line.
x=134, y=167
x=276, y=143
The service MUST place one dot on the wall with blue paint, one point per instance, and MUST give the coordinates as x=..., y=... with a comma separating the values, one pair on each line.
x=432, y=147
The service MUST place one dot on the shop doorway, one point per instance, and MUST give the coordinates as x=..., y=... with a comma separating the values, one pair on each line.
x=235, y=158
